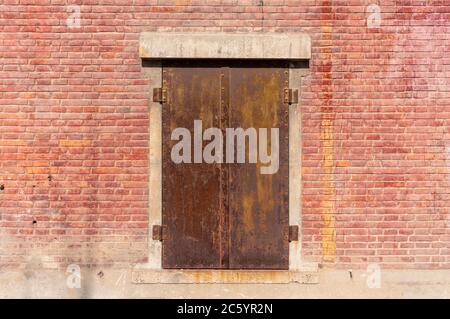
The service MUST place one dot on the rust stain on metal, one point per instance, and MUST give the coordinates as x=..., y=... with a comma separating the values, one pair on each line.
x=159, y=95
x=293, y=233
x=191, y=192
x=158, y=232
x=290, y=96
x=259, y=203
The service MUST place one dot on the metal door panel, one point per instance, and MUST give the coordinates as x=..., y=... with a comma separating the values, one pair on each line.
x=259, y=202
x=191, y=191
x=224, y=215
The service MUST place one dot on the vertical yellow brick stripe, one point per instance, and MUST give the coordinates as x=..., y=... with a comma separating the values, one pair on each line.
x=326, y=136
x=327, y=197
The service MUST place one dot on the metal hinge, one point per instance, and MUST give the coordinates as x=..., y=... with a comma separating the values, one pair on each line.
x=290, y=96
x=159, y=95
x=159, y=232
x=293, y=233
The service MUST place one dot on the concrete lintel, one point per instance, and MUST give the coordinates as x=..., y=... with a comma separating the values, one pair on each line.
x=171, y=45
x=155, y=276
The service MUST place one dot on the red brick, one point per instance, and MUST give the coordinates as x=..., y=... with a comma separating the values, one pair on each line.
x=73, y=104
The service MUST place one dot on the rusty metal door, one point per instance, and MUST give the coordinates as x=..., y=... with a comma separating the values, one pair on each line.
x=224, y=215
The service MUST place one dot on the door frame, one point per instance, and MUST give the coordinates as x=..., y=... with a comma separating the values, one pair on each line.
x=154, y=47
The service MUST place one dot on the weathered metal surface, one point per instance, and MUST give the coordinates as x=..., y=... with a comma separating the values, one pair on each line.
x=290, y=96
x=258, y=202
x=159, y=95
x=159, y=232
x=293, y=233
x=224, y=215
x=224, y=168
x=191, y=197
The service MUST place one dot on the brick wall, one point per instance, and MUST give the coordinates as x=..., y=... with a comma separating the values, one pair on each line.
x=74, y=127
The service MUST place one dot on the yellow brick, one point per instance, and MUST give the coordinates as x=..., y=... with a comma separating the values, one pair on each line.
x=37, y=170
x=342, y=163
x=74, y=143
x=41, y=170
x=13, y=143
x=41, y=164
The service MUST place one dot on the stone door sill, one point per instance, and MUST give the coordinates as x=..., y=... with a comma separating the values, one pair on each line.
x=181, y=276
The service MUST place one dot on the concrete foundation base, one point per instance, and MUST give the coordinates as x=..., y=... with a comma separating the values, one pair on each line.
x=119, y=283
